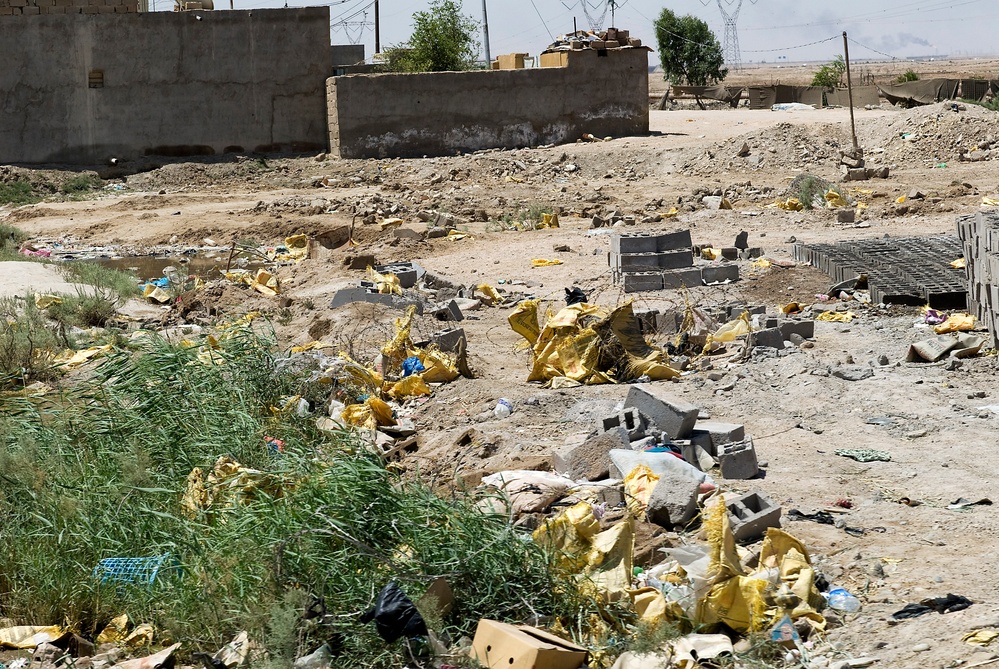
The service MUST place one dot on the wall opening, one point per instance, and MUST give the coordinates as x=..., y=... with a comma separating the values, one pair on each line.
x=95, y=79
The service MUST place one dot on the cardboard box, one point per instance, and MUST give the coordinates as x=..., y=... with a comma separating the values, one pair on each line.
x=499, y=645
x=555, y=59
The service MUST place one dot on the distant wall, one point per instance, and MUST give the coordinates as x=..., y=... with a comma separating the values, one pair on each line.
x=406, y=115
x=344, y=54
x=81, y=88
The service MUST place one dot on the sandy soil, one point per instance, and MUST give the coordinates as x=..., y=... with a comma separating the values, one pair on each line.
x=941, y=442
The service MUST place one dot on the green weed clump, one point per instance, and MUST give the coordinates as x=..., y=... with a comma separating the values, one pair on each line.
x=27, y=342
x=18, y=192
x=102, y=472
x=11, y=239
x=81, y=184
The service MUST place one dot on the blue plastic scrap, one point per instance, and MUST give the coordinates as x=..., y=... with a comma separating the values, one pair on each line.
x=412, y=365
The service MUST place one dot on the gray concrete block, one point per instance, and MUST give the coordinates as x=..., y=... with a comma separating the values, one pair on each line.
x=449, y=311
x=730, y=253
x=720, y=273
x=642, y=281
x=803, y=328
x=361, y=294
x=628, y=419
x=633, y=244
x=677, y=278
x=448, y=340
x=738, y=460
x=407, y=272
x=717, y=433
x=750, y=515
x=674, y=417
x=639, y=262
x=674, y=241
x=673, y=500
x=590, y=459
x=770, y=337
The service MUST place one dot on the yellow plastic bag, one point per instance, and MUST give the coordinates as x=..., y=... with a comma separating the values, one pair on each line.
x=153, y=292
x=545, y=262
x=990, y=202
x=371, y=415
x=265, y=283
x=298, y=246
x=638, y=485
x=141, y=636
x=71, y=359
x=728, y=332
x=956, y=323
x=570, y=533
x=438, y=367
x=387, y=284
x=709, y=253
x=760, y=263
x=960, y=263
x=524, y=321
x=980, y=637
x=46, y=301
x=490, y=296
x=672, y=213
x=411, y=386
x=390, y=223
x=548, y=221
x=836, y=316
x=790, y=204
x=650, y=605
x=834, y=199
x=455, y=235
x=117, y=629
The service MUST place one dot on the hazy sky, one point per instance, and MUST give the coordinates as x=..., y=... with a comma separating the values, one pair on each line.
x=767, y=28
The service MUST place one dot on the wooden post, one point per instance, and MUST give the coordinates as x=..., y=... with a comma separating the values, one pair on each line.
x=849, y=89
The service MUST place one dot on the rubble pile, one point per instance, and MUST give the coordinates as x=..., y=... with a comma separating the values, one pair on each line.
x=938, y=133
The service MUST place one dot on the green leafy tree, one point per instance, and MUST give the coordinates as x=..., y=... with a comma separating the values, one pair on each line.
x=831, y=74
x=443, y=40
x=688, y=51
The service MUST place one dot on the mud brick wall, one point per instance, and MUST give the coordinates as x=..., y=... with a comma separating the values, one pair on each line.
x=39, y=7
x=604, y=93
x=85, y=87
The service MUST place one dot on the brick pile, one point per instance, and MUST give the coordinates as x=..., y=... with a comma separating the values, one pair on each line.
x=980, y=235
x=655, y=262
x=38, y=7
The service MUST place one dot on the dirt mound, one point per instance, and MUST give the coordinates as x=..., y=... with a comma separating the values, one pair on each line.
x=933, y=134
x=784, y=145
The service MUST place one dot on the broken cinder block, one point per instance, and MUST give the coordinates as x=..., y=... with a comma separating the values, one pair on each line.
x=630, y=419
x=590, y=458
x=674, y=417
x=738, y=460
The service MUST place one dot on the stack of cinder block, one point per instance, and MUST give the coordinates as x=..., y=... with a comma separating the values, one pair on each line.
x=979, y=235
x=853, y=167
x=643, y=262
x=37, y=7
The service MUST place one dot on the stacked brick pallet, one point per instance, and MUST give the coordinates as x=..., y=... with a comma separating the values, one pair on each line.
x=654, y=262
x=903, y=270
x=980, y=235
x=37, y=7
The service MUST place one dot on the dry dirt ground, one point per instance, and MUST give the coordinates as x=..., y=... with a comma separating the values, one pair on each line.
x=942, y=444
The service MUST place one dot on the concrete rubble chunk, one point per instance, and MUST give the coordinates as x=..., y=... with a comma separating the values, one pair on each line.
x=720, y=273
x=803, y=328
x=590, y=458
x=629, y=419
x=750, y=515
x=716, y=433
x=738, y=460
x=770, y=338
x=852, y=372
x=673, y=500
x=361, y=294
x=674, y=417
x=624, y=461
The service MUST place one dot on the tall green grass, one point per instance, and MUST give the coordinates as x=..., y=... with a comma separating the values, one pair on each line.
x=100, y=472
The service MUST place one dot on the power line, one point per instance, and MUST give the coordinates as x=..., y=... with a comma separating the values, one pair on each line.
x=552, y=37
x=864, y=46
x=797, y=46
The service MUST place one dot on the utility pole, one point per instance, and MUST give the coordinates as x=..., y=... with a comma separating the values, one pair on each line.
x=485, y=34
x=849, y=89
x=378, y=34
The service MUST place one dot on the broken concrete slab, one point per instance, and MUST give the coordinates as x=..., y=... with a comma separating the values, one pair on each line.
x=770, y=338
x=361, y=294
x=629, y=419
x=852, y=372
x=673, y=500
x=716, y=433
x=674, y=417
x=624, y=461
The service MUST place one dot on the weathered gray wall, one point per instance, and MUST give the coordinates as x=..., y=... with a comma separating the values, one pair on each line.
x=344, y=54
x=406, y=115
x=186, y=83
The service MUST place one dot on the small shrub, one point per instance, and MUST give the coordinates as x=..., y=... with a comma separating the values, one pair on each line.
x=26, y=342
x=81, y=183
x=908, y=75
x=17, y=192
x=11, y=239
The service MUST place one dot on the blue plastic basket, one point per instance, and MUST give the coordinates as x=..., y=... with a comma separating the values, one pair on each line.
x=132, y=571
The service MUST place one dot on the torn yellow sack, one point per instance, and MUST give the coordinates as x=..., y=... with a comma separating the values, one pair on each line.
x=71, y=359
x=960, y=263
x=265, y=283
x=371, y=414
x=548, y=221
x=27, y=637
x=835, y=200
x=729, y=332
x=790, y=204
x=46, y=301
x=836, y=316
x=980, y=637
x=155, y=293
x=524, y=321
x=490, y=296
x=956, y=323
x=545, y=262
x=410, y=386
x=387, y=284
x=114, y=631
x=638, y=485
x=298, y=246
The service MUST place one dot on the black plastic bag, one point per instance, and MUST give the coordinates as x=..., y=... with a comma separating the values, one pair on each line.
x=574, y=296
x=395, y=615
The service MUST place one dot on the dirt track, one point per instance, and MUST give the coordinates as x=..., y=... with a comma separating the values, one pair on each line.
x=797, y=413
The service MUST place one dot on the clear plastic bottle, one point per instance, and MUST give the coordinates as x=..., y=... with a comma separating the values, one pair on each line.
x=503, y=408
x=842, y=601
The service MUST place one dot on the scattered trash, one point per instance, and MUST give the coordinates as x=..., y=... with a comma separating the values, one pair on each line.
x=962, y=503
x=502, y=646
x=395, y=615
x=948, y=604
x=981, y=637
x=544, y=262
x=842, y=601
x=864, y=454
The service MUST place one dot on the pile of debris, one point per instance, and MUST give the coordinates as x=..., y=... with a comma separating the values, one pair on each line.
x=612, y=38
x=903, y=270
x=936, y=133
x=644, y=262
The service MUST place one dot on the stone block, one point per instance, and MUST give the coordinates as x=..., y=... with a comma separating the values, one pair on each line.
x=674, y=417
x=717, y=433
x=846, y=215
x=677, y=278
x=730, y=253
x=628, y=419
x=738, y=460
x=770, y=338
x=673, y=500
x=361, y=294
x=802, y=328
x=742, y=240
x=720, y=273
x=750, y=515
x=642, y=281
x=408, y=273
x=590, y=459
x=449, y=311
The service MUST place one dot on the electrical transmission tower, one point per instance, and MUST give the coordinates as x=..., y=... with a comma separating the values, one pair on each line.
x=730, y=17
x=596, y=11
